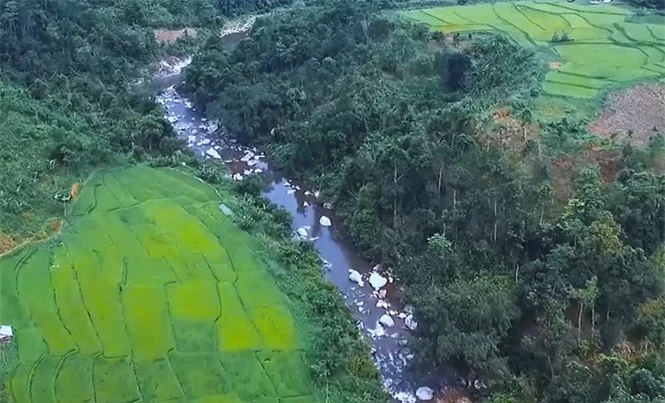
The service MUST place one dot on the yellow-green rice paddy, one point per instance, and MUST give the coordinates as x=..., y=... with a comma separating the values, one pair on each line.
x=151, y=295
x=606, y=50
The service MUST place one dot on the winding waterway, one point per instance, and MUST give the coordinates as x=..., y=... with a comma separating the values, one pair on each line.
x=381, y=316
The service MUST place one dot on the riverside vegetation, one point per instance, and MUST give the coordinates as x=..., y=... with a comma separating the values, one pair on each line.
x=532, y=250
x=102, y=290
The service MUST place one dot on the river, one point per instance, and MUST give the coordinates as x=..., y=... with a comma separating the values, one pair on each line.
x=371, y=291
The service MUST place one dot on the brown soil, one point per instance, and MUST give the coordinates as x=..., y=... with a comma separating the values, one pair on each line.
x=635, y=114
x=565, y=166
x=7, y=243
x=172, y=35
x=510, y=133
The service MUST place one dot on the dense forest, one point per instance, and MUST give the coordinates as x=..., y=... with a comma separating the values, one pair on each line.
x=68, y=107
x=531, y=250
x=66, y=103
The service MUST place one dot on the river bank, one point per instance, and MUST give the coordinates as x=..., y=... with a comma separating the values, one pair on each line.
x=371, y=291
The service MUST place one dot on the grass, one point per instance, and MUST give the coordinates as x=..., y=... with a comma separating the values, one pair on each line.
x=611, y=46
x=150, y=293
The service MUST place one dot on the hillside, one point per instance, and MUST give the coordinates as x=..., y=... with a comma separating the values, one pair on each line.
x=156, y=295
x=106, y=303
x=530, y=248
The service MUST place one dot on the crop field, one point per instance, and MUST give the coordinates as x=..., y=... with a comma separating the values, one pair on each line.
x=605, y=50
x=150, y=295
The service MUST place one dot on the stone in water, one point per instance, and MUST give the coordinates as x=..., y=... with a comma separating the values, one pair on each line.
x=410, y=322
x=213, y=153
x=355, y=276
x=387, y=321
x=302, y=232
x=377, y=281
x=325, y=221
x=424, y=393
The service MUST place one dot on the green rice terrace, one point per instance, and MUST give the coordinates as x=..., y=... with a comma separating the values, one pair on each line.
x=150, y=294
x=591, y=47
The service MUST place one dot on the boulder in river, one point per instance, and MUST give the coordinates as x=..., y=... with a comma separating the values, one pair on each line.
x=325, y=221
x=386, y=321
x=355, y=276
x=302, y=232
x=425, y=393
x=214, y=154
x=410, y=322
x=377, y=281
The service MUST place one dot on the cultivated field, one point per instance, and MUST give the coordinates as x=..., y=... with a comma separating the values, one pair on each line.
x=151, y=295
x=607, y=49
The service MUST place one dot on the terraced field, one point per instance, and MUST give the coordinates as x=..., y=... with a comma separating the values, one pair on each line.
x=150, y=295
x=606, y=49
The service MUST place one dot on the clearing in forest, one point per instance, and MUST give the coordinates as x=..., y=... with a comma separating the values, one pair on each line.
x=604, y=45
x=151, y=294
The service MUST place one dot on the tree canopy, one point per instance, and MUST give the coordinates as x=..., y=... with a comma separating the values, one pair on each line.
x=541, y=281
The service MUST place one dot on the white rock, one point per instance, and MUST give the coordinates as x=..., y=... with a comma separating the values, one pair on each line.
x=327, y=206
x=402, y=315
x=290, y=191
x=382, y=294
x=410, y=322
x=377, y=281
x=302, y=231
x=386, y=321
x=382, y=304
x=355, y=276
x=305, y=204
x=205, y=142
x=251, y=163
x=308, y=193
x=378, y=332
x=213, y=153
x=237, y=177
x=424, y=393
x=325, y=221
x=258, y=170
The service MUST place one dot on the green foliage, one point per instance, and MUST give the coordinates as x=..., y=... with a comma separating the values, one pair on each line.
x=398, y=127
x=598, y=45
x=185, y=298
x=475, y=316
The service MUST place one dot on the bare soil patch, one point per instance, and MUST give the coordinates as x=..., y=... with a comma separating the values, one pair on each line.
x=635, y=114
x=172, y=35
x=7, y=243
x=509, y=132
x=555, y=65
